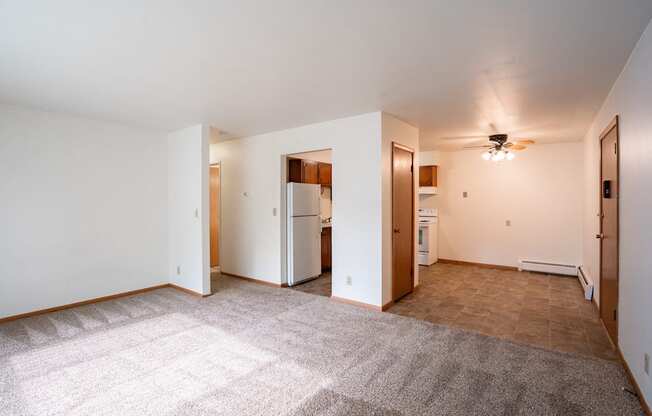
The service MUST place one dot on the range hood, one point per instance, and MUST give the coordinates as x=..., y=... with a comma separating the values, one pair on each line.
x=428, y=190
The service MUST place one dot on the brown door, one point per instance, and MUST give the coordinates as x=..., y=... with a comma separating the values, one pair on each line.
x=402, y=221
x=215, y=215
x=609, y=230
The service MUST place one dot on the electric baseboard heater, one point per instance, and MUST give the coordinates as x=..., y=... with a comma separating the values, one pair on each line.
x=558, y=268
x=587, y=285
x=548, y=267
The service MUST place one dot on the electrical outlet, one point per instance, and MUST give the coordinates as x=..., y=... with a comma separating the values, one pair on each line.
x=508, y=223
x=646, y=363
x=349, y=281
x=179, y=270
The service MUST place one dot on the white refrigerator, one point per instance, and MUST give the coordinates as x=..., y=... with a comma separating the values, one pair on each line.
x=304, y=232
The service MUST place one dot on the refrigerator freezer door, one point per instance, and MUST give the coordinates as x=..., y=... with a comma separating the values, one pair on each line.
x=304, y=249
x=303, y=199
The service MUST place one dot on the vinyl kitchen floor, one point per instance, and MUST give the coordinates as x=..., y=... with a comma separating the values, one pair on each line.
x=320, y=286
x=531, y=308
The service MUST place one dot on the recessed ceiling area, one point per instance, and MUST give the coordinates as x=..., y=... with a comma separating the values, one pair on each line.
x=534, y=69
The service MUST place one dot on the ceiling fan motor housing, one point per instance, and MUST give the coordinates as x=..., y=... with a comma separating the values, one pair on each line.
x=500, y=139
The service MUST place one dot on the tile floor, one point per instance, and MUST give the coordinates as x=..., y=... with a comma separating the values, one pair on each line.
x=320, y=286
x=531, y=308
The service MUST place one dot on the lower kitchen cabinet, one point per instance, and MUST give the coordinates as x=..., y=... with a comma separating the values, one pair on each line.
x=326, y=248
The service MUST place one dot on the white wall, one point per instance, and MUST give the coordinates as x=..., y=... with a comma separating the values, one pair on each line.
x=395, y=130
x=630, y=99
x=188, y=205
x=540, y=192
x=252, y=168
x=430, y=158
x=324, y=156
x=83, y=212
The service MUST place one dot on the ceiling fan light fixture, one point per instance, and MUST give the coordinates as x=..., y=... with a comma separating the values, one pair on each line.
x=499, y=148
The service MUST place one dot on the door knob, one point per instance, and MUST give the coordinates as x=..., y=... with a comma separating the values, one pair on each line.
x=396, y=230
x=599, y=236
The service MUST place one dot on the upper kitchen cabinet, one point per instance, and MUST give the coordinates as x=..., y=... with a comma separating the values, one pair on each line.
x=428, y=180
x=308, y=171
x=325, y=174
x=303, y=171
x=428, y=176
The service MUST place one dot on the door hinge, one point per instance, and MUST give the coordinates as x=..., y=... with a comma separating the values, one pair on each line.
x=616, y=148
x=615, y=315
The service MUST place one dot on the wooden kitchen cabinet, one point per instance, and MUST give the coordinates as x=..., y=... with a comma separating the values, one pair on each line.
x=325, y=174
x=303, y=171
x=308, y=171
x=427, y=175
x=326, y=248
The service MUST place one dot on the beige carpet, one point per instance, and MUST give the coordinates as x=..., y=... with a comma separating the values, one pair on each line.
x=255, y=350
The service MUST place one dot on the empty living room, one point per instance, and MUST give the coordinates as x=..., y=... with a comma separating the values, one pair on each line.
x=299, y=208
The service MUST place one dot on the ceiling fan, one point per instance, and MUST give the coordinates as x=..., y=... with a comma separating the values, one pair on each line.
x=500, y=148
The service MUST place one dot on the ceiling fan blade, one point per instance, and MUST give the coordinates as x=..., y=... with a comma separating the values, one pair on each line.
x=524, y=141
x=479, y=147
x=463, y=138
x=517, y=147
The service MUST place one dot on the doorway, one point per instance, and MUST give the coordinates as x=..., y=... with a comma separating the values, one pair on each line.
x=214, y=183
x=609, y=195
x=402, y=221
x=308, y=184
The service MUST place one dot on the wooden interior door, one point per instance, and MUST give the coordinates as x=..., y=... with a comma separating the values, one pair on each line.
x=402, y=221
x=608, y=236
x=215, y=215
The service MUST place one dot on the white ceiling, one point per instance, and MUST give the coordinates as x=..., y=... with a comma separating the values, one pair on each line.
x=535, y=68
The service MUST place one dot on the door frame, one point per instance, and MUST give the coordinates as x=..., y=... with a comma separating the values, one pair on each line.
x=613, y=124
x=282, y=209
x=396, y=145
x=219, y=215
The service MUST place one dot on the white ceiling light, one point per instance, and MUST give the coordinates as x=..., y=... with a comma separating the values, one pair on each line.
x=497, y=155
